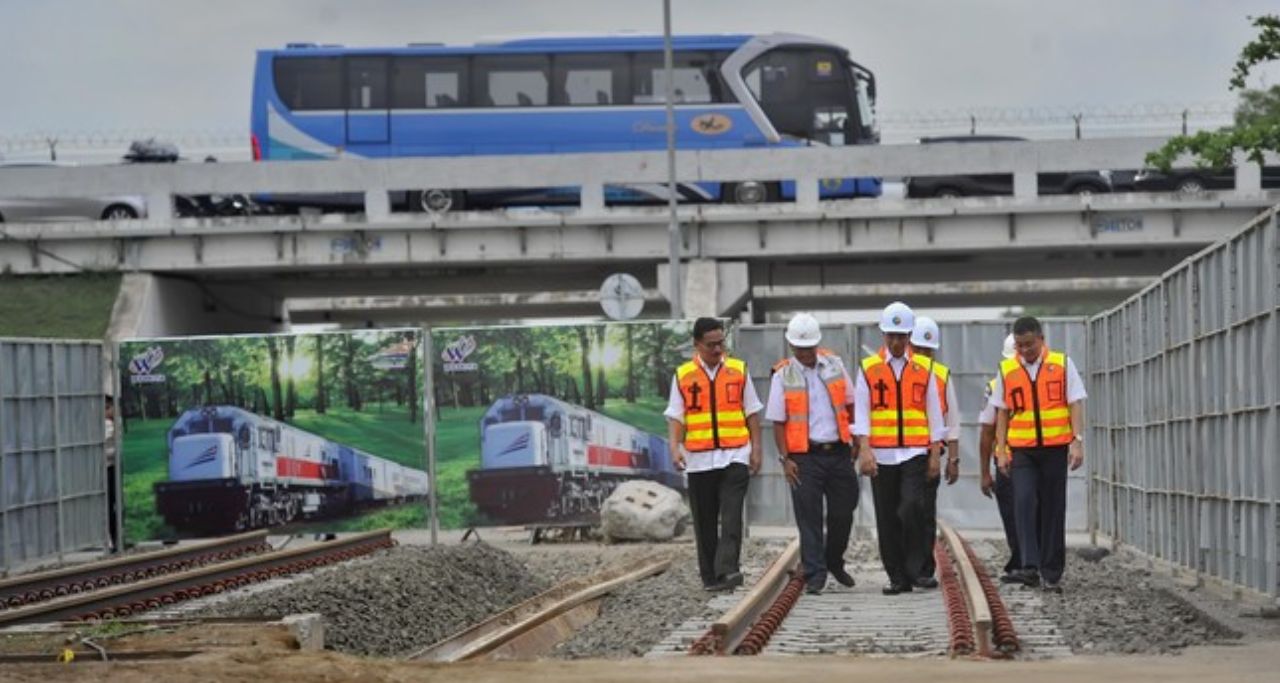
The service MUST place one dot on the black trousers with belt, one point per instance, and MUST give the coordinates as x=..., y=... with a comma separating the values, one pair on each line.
x=715, y=501
x=826, y=475
x=899, y=493
x=930, y=533
x=1040, y=508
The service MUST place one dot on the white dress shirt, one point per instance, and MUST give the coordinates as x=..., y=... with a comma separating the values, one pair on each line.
x=822, y=416
x=717, y=458
x=862, y=415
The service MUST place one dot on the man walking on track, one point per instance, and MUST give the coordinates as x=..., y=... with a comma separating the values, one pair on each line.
x=898, y=422
x=1039, y=400
x=714, y=428
x=811, y=407
x=1001, y=485
x=925, y=342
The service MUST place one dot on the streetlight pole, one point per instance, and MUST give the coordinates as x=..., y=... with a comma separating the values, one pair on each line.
x=674, y=284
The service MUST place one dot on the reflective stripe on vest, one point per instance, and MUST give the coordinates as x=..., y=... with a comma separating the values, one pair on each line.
x=795, y=396
x=1038, y=411
x=943, y=375
x=713, y=414
x=899, y=416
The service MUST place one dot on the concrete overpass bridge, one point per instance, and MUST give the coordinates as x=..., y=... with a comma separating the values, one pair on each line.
x=217, y=275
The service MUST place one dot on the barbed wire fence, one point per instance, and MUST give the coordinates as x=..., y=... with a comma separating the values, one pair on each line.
x=897, y=126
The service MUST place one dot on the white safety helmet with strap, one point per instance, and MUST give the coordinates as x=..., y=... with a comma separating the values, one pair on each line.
x=803, y=331
x=1010, y=349
x=897, y=317
x=925, y=333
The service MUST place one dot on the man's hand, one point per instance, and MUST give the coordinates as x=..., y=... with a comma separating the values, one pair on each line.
x=935, y=464
x=867, y=464
x=677, y=458
x=953, y=469
x=988, y=483
x=792, y=472
x=1004, y=460
x=753, y=461
x=1075, y=453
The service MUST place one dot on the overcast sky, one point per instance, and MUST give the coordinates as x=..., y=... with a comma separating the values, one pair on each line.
x=90, y=65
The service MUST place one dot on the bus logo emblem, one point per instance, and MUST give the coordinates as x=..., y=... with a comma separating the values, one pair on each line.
x=711, y=124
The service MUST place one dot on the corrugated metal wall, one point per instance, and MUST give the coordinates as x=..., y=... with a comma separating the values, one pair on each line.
x=53, y=488
x=972, y=351
x=1185, y=413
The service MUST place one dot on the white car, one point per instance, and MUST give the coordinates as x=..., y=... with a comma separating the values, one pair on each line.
x=119, y=207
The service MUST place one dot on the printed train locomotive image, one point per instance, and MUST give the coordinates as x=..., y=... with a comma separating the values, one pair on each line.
x=544, y=459
x=231, y=469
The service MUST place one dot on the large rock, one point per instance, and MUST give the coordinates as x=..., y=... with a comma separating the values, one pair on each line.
x=640, y=510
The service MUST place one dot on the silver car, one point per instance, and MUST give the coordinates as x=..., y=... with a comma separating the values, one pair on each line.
x=68, y=208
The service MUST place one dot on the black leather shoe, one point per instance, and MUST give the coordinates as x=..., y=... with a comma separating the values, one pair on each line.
x=842, y=577
x=813, y=589
x=1028, y=577
x=896, y=588
x=926, y=582
x=732, y=580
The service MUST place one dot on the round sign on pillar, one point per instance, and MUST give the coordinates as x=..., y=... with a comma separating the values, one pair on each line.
x=621, y=297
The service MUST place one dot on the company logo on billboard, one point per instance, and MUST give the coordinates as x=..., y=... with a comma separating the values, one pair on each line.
x=455, y=355
x=394, y=357
x=142, y=368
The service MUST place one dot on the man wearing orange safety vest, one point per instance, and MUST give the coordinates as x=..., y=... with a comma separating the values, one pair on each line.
x=1039, y=402
x=811, y=407
x=898, y=423
x=926, y=339
x=1000, y=484
x=714, y=427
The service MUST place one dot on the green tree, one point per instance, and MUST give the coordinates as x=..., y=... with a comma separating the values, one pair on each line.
x=1256, y=129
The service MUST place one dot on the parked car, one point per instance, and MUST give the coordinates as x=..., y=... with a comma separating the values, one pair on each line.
x=1189, y=180
x=114, y=207
x=996, y=184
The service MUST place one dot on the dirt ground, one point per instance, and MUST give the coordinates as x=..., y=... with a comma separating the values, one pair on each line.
x=1252, y=662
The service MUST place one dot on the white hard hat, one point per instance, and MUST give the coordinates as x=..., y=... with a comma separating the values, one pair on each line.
x=897, y=317
x=925, y=333
x=1009, y=350
x=803, y=331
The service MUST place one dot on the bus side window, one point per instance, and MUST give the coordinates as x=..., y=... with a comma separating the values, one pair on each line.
x=429, y=82
x=695, y=78
x=309, y=83
x=591, y=79
x=521, y=80
x=367, y=83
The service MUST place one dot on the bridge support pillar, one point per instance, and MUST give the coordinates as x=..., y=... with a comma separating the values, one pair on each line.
x=711, y=288
x=160, y=306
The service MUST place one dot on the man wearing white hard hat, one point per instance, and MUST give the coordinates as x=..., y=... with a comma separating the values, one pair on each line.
x=899, y=426
x=811, y=407
x=1001, y=485
x=926, y=339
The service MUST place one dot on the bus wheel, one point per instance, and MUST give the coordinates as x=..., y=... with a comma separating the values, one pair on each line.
x=440, y=201
x=749, y=192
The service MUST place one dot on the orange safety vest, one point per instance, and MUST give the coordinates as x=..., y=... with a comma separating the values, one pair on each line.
x=713, y=414
x=899, y=417
x=940, y=372
x=1038, y=411
x=795, y=394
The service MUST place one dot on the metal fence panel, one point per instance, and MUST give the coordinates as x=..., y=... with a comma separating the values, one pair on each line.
x=53, y=488
x=972, y=351
x=1187, y=374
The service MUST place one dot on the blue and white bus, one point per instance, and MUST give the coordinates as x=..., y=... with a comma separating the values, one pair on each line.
x=565, y=95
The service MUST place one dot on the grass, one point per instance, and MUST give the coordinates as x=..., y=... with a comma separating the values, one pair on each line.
x=388, y=435
x=63, y=307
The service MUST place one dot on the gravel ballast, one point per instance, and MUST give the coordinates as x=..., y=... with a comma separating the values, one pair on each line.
x=400, y=599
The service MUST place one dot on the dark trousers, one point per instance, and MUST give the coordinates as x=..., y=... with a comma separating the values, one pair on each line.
x=1040, y=490
x=824, y=475
x=899, y=493
x=715, y=500
x=930, y=533
x=1004, y=501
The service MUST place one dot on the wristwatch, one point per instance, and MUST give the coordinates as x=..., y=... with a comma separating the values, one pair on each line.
x=1078, y=437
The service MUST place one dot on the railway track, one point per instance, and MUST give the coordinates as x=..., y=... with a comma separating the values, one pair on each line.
x=127, y=599
x=971, y=619
x=29, y=589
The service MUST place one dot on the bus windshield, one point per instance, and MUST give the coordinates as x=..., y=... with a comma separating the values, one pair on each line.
x=811, y=94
